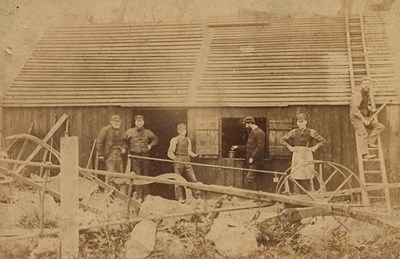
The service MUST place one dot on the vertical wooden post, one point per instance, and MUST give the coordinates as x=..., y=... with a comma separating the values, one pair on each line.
x=69, y=192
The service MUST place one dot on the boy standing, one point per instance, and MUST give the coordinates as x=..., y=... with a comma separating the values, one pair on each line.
x=180, y=150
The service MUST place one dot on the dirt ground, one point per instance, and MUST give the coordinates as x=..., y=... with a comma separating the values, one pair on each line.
x=251, y=233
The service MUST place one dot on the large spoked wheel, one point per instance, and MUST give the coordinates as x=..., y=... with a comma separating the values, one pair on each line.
x=332, y=183
x=21, y=146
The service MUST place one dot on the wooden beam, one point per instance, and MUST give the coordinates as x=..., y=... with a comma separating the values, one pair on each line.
x=69, y=190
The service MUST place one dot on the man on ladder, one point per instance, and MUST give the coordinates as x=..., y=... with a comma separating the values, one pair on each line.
x=360, y=113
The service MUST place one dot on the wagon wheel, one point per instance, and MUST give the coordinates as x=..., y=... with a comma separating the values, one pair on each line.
x=16, y=147
x=332, y=183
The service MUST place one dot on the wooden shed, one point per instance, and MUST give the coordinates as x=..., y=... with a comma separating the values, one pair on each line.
x=210, y=75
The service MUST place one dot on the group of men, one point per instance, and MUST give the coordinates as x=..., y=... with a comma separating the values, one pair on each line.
x=301, y=141
x=112, y=145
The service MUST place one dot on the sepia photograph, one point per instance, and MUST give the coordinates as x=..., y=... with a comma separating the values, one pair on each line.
x=165, y=129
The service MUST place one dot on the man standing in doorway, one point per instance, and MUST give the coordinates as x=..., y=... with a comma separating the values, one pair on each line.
x=180, y=150
x=140, y=142
x=110, y=146
x=255, y=150
x=360, y=111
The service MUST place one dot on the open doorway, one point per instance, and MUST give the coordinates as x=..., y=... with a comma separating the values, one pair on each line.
x=163, y=123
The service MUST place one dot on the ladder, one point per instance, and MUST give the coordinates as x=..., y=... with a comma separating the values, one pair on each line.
x=372, y=172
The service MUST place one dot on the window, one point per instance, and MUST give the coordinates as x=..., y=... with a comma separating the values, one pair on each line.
x=276, y=130
x=207, y=137
x=233, y=132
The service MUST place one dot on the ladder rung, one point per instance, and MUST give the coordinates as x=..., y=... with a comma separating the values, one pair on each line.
x=371, y=160
x=375, y=184
x=377, y=197
x=372, y=172
x=373, y=148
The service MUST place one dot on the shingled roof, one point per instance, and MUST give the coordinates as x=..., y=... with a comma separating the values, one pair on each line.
x=226, y=62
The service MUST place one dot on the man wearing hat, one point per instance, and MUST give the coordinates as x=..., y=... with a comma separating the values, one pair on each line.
x=302, y=142
x=110, y=146
x=180, y=150
x=140, y=142
x=359, y=118
x=255, y=150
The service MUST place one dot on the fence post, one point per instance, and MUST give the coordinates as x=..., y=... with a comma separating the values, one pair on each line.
x=69, y=191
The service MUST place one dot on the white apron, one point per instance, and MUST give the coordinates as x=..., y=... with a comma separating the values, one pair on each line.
x=301, y=156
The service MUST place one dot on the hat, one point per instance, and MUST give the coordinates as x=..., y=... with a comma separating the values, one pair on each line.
x=116, y=118
x=301, y=117
x=181, y=126
x=249, y=120
x=139, y=117
x=364, y=78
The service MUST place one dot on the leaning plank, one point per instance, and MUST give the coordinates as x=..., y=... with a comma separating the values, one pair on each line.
x=109, y=188
x=22, y=150
x=331, y=208
x=89, y=176
x=49, y=135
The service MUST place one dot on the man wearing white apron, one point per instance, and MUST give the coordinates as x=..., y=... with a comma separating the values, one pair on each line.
x=300, y=142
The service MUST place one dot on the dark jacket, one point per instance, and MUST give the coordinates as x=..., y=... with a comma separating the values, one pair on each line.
x=139, y=140
x=107, y=139
x=255, y=147
x=307, y=138
x=359, y=106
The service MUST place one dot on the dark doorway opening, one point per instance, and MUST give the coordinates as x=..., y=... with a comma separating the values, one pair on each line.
x=163, y=123
x=235, y=133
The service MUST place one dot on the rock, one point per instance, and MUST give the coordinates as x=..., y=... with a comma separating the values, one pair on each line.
x=232, y=239
x=46, y=247
x=86, y=189
x=141, y=241
x=170, y=244
x=17, y=248
x=155, y=206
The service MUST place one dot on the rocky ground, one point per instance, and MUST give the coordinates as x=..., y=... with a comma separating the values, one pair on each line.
x=252, y=233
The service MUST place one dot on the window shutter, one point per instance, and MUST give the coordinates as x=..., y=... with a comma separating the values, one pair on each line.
x=276, y=130
x=207, y=136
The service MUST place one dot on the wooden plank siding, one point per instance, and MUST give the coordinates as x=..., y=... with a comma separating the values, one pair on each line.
x=331, y=122
x=84, y=122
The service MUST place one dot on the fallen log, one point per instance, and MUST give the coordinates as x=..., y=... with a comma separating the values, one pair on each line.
x=326, y=207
